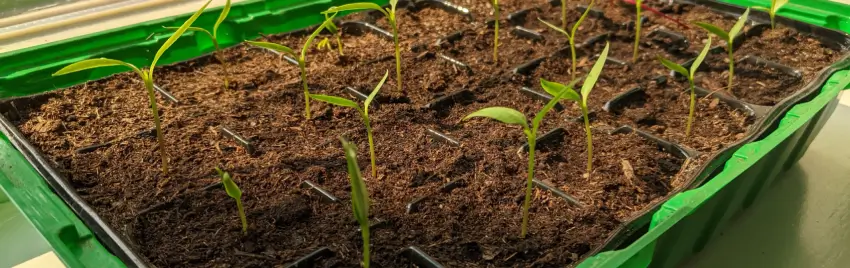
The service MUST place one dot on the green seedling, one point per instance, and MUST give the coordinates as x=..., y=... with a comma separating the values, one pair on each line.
x=359, y=196
x=514, y=117
x=571, y=36
x=214, y=37
x=554, y=88
x=729, y=38
x=690, y=75
x=302, y=59
x=775, y=5
x=147, y=78
x=234, y=192
x=638, y=5
x=364, y=114
x=335, y=31
x=496, y=32
x=390, y=13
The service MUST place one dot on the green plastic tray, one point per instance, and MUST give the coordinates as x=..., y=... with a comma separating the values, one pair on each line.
x=680, y=228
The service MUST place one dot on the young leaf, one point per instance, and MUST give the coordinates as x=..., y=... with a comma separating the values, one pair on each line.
x=229, y=186
x=700, y=58
x=374, y=93
x=94, y=63
x=221, y=17
x=594, y=74
x=359, y=193
x=739, y=25
x=503, y=114
x=194, y=29
x=556, y=28
x=275, y=47
x=335, y=100
x=176, y=35
x=777, y=4
x=714, y=29
x=355, y=6
x=555, y=89
x=561, y=92
x=674, y=66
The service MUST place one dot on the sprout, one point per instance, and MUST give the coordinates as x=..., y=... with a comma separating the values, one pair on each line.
x=335, y=31
x=729, y=38
x=554, y=88
x=146, y=75
x=638, y=5
x=364, y=114
x=514, y=117
x=496, y=32
x=302, y=59
x=571, y=36
x=214, y=37
x=234, y=192
x=359, y=196
x=391, y=17
x=690, y=75
x=775, y=5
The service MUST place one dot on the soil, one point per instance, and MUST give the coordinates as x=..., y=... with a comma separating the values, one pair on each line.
x=181, y=222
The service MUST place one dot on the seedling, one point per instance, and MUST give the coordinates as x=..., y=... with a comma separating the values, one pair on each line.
x=690, y=75
x=364, y=114
x=496, y=32
x=214, y=37
x=729, y=38
x=638, y=5
x=391, y=18
x=147, y=77
x=514, y=117
x=359, y=196
x=775, y=5
x=234, y=192
x=554, y=88
x=571, y=36
x=302, y=59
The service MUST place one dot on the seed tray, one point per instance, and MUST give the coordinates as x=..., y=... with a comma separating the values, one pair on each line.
x=632, y=238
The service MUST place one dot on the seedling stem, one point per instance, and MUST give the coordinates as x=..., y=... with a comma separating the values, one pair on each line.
x=637, y=30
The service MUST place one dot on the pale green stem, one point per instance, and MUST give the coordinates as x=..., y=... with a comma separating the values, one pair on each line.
x=637, y=34
x=365, y=232
x=584, y=110
x=303, y=66
x=564, y=14
x=159, y=137
x=397, y=54
x=371, y=145
x=223, y=64
x=242, y=216
x=496, y=39
x=731, y=66
x=528, y=186
x=573, y=55
x=691, y=113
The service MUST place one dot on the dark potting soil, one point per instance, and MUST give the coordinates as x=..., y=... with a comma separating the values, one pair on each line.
x=469, y=213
